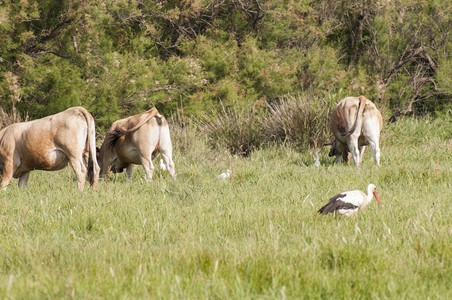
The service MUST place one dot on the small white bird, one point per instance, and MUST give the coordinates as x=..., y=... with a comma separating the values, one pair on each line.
x=348, y=203
x=162, y=165
x=224, y=175
x=317, y=161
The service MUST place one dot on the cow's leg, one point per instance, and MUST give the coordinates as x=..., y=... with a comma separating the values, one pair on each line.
x=148, y=167
x=169, y=165
x=8, y=171
x=341, y=153
x=146, y=149
x=129, y=171
x=23, y=180
x=80, y=172
x=361, y=153
x=166, y=149
x=353, y=148
x=375, y=151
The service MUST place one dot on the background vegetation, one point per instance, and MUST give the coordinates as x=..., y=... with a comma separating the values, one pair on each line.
x=117, y=58
x=254, y=236
x=233, y=75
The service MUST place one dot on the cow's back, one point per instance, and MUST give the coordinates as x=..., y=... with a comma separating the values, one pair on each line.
x=44, y=144
x=372, y=117
x=132, y=145
x=372, y=124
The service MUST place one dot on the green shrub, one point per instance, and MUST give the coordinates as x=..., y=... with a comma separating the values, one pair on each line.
x=296, y=121
x=236, y=130
x=299, y=121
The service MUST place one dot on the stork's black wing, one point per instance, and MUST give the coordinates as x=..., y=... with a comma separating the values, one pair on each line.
x=335, y=204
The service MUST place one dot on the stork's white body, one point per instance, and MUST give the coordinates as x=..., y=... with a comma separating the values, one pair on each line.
x=317, y=160
x=162, y=165
x=358, y=199
x=348, y=203
x=224, y=175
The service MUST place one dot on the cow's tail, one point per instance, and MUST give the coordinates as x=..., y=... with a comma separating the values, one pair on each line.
x=153, y=113
x=359, y=114
x=93, y=166
x=120, y=131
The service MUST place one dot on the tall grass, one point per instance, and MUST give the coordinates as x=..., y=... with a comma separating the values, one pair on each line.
x=234, y=129
x=300, y=122
x=295, y=121
x=8, y=119
x=254, y=235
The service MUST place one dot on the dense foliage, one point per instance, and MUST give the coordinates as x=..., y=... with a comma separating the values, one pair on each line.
x=121, y=57
x=294, y=121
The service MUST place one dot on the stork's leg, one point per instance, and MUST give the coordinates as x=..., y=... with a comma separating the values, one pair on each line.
x=23, y=180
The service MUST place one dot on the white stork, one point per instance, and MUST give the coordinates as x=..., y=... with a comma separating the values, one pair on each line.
x=162, y=165
x=224, y=175
x=317, y=160
x=348, y=203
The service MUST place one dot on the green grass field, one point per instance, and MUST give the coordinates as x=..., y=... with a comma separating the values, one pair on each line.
x=255, y=235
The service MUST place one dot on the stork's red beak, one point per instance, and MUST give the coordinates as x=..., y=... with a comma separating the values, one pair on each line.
x=376, y=197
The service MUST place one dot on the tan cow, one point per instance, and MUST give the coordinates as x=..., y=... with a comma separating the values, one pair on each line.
x=49, y=144
x=136, y=140
x=355, y=122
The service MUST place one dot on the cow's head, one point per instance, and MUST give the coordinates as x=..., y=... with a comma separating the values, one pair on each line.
x=339, y=150
x=333, y=150
x=99, y=161
x=116, y=169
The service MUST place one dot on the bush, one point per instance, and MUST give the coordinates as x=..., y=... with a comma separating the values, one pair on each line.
x=296, y=121
x=184, y=136
x=236, y=130
x=8, y=119
x=299, y=122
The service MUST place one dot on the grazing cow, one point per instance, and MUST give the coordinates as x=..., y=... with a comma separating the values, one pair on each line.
x=49, y=144
x=355, y=122
x=136, y=140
